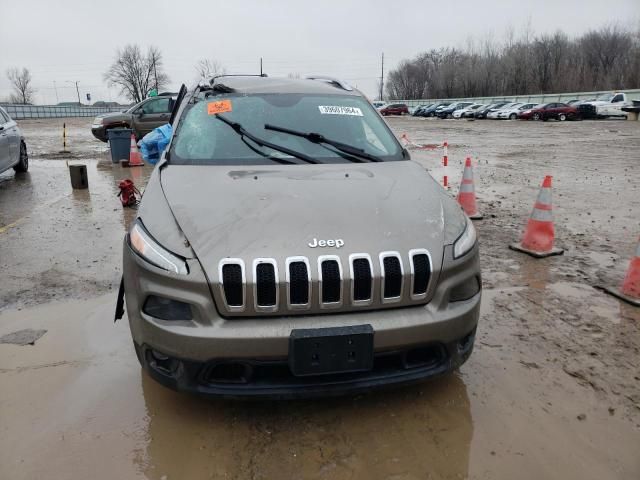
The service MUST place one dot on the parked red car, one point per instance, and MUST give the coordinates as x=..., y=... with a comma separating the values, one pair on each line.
x=558, y=111
x=395, y=109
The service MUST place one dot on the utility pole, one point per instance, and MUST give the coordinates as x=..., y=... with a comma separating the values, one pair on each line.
x=56, y=89
x=382, y=77
x=155, y=72
x=260, y=66
x=77, y=89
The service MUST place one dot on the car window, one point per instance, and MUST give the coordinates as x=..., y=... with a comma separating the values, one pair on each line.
x=201, y=138
x=4, y=118
x=157, y=105
x=617, y=98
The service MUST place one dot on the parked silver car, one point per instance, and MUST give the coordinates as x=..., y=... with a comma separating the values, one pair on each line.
x=286, y=245
x=13, y=149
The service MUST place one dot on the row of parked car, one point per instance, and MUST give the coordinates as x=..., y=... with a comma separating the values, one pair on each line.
x=606, y=105
x=501, y=110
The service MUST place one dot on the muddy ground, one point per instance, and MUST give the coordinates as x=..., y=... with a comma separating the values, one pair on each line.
x=552, y=389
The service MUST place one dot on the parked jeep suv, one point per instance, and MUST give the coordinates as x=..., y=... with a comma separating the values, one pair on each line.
x=286, y=245
x=141, y=118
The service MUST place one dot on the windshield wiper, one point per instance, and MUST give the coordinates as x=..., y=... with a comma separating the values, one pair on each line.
x=239, y=129
x=266, y=155
x=321, y=139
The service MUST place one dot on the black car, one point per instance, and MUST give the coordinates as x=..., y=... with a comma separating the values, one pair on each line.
x=430, y=112
x=420, y=108
x=448, y=112
x=482, y=113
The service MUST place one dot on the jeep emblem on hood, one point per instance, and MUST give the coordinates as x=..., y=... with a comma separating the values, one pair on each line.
x=338, y=242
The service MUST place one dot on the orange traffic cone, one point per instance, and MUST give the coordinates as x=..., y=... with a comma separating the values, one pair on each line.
x=135, y=159
x=467, y=193
x=538, y=237
x=630, y=290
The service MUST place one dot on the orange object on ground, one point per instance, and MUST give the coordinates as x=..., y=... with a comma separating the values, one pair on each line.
x=539, y=235
x=135, y=158
x=630, y=289
x=631, y=283
x=467, y=193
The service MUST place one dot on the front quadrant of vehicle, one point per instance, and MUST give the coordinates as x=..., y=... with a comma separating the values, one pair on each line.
x=291, y=248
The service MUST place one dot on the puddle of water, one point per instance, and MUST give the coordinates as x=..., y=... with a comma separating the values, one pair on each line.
x=76, y=405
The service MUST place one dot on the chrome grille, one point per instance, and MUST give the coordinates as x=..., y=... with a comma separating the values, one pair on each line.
x=330, y=282
x=393, y=276
x=361, y=279
x=298, y=282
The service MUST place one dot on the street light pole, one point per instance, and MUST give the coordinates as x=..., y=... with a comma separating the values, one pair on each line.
x=77, y=89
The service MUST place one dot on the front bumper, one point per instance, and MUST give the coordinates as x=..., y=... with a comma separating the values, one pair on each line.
x=272, y=378
x=99, y=132
x=260, y=346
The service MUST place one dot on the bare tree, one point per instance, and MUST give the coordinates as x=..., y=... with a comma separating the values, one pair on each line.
x=20, y=80
x=603, y=59
x=137, y=73
x=206, y=68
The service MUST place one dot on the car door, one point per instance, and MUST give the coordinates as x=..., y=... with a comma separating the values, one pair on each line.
x=9, y=142
x=4, y=143
x=615, y=108
x=152, y=114
x=549, y=111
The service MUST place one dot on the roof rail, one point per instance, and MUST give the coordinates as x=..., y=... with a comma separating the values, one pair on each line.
x=333, y=81
x=213, y=79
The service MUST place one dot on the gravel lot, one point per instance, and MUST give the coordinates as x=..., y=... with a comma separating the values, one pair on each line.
x=551, y=391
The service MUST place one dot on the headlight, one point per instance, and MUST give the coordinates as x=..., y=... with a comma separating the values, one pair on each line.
x=97, y=121
x=148, y=248
x=466, y=241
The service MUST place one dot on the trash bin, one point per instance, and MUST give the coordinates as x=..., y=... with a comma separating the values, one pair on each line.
x=119, y=143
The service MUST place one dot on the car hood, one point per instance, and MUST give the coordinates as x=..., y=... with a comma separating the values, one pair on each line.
x=114, y=115
x=277, y=211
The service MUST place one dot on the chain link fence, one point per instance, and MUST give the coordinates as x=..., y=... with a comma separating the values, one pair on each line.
x=21, y=112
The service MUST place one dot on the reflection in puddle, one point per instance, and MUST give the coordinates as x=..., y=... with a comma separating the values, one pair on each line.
x=409, y=433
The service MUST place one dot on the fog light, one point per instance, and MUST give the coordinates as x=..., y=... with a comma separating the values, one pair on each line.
x=465, y=290
x=161, y=362
x=166, y=309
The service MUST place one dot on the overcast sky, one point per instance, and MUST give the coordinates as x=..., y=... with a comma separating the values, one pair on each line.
x=75, y=40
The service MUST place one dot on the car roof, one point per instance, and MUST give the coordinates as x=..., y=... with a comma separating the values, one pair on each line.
x=257, y=85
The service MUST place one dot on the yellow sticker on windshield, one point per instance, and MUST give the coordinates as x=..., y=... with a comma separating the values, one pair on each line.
x=221, y=106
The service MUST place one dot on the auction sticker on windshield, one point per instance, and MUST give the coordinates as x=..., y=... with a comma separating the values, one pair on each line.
x=339, y=110
x=222, y=106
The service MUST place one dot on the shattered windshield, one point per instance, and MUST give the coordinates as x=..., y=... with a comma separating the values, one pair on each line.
x=203, y=139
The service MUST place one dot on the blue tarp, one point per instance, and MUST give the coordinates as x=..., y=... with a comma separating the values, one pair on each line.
x=153, y=143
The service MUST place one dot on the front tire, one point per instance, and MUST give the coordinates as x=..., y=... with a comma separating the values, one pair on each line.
x=513, y=116
x=23, y=165
x=536, y=116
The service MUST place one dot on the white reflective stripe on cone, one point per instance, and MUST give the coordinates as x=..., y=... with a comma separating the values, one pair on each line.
x=544, y=196
x=638, y=250
x=467, y=174
x=542, y=215
x=466, y=188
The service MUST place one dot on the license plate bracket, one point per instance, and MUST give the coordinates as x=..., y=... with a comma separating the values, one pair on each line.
x=323, y=351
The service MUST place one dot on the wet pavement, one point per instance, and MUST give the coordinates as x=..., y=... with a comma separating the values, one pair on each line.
x=552, y=389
